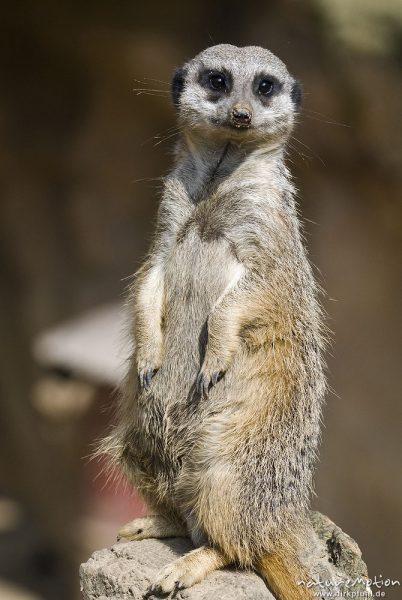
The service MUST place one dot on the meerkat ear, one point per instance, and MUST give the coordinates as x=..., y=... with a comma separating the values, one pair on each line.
x=296, y=93
x=178, y=85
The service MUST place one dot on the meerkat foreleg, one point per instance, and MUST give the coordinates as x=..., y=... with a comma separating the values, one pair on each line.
x=148, y=317
x=187, y=570
x=224, y=324
x=155, y=526
x=222, y=344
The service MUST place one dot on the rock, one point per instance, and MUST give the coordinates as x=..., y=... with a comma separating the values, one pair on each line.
x=126, y=570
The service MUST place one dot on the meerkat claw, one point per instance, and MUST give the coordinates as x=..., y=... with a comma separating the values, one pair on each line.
x=157, y=591
x=175, y=593
x=202, y=384
x=148, y=376
x=145, y=376
x=217, y=376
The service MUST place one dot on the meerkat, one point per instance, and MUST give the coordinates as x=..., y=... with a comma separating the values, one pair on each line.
x=219, y=417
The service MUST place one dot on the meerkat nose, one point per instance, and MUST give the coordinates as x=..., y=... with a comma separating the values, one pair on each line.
x=241, y=116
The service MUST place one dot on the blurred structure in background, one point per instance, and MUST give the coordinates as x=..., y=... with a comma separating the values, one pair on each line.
x=81, y=154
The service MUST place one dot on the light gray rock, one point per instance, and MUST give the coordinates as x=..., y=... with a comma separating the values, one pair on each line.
x=126, y=570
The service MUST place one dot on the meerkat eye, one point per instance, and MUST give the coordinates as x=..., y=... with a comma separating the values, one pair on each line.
x=266, y=87
x=217, y=81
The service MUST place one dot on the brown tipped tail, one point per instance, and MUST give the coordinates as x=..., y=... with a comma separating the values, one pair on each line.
x=285, y=577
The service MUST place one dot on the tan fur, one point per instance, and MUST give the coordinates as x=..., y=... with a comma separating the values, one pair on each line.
x=219, y=418
x=155, y=526
x=281, y=576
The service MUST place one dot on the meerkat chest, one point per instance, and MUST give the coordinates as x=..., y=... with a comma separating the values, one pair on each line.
x=213, y=244
x=200, y=268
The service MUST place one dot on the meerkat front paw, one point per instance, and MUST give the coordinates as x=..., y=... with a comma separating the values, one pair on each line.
x=186, y=571
x=145, y=375
x=148, y=363
x=205, y=380
x=210, y=373
x=171, y=579
x=150, y=527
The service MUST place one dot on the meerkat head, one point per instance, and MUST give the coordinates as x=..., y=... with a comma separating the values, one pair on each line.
x=237, y=93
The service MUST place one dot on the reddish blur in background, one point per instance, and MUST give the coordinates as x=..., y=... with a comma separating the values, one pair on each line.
x=80, y=157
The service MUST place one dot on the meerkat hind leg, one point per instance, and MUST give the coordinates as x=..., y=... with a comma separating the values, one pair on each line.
x=186, y=571
x=155, y=526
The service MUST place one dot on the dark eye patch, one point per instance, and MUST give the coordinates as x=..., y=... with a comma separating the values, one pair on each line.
x=177, y=87
x=265, y=86
x=296, y=93
x=217, y=82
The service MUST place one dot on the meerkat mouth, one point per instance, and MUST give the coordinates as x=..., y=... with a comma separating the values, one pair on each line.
x=240, y=125
x=229, y=124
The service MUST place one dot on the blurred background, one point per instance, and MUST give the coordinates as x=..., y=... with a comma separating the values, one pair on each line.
x=80, y=156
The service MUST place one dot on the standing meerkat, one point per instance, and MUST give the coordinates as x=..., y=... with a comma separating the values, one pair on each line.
x=219, y=417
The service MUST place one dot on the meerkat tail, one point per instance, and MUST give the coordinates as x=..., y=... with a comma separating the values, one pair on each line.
x=284, y=577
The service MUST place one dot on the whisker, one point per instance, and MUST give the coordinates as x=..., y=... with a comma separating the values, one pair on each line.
x=150, y=90
x=147, y=179
x=145, y=81
x=325, y=118
x=155, y=80
x=161, y=134
x=305, y=158
x=150, y=94
x=308, y=148
x=167, y=137
x=169, y=129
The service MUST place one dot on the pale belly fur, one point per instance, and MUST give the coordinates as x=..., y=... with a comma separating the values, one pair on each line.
x=169, y=413
x=198, y=274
